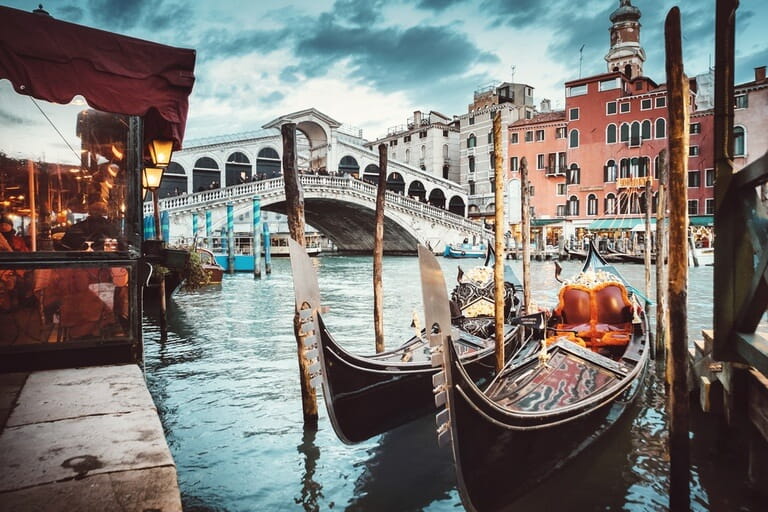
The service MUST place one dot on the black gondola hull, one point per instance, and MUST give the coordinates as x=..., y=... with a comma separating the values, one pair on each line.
x=366, y=397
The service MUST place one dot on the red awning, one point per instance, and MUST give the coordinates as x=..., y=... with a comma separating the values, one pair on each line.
x=54, y=60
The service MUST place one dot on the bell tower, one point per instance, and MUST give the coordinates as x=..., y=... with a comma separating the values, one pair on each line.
x=625, y=55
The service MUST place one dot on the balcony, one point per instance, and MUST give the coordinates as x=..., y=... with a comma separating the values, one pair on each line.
x=554, y=171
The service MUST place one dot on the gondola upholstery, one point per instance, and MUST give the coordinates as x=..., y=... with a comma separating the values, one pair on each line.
x=599, y=314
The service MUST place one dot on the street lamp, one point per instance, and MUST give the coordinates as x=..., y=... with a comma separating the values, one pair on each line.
x=150, y=180
x=160, y=152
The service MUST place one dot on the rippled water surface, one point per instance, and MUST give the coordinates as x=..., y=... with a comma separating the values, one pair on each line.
x=226, y=385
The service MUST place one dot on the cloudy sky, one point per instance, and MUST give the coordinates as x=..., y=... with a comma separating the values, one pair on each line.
x=370, y=63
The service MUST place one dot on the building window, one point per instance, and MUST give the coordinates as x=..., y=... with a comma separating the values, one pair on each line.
x=645, y=130
x=634, y=134
x=492, y=161
x=609, y=175
x=445, y=151
x=407, y=156
x=423, y=152
x=471, y=140
x=661, y=102
x=709, y=177
x=490, y=137
x=445, y=133
x=592, y=204
x=422, y=134
x=646, y=104
x=574, y=175
x=694, y=179
x=573, y=114
x=577, y=90
x=529, y=136
x=693, y=207
x=624, y=107
x=610, y=204
x=607, y=85
x=513, y=163
x=561, y=189
x=694, y=128
x=661, y=128
x=693, y=150
x=539, y=135
x=739, y=141
x=561, y=210
x=573, y=205
x=624, y=132
x=560, y=132
x=539, y=162
x=709, y=206
x=471, y=164
x=471, y=188
x=610, y=108
x=472, y=120
x=624, y=171
x=741, y=101
x=561, y=161
x=514, y=138
x=610, y=134
x=407, y=138
x=573, y=141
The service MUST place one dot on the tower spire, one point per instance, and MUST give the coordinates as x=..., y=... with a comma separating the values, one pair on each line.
x=625, y=55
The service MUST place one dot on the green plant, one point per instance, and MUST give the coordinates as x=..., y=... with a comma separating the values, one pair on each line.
x=194, y=273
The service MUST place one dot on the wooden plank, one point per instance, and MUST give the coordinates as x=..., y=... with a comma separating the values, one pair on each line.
x=753, y=349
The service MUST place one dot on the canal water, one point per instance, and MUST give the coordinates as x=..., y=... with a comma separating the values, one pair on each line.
x=226, y=386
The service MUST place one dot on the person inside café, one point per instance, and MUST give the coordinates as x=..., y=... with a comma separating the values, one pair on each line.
x=12, y=241
x=91, y=232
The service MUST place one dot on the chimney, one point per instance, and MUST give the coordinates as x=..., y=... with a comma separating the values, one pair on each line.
x=417, y=118
x=546, y=106
x=760, y=74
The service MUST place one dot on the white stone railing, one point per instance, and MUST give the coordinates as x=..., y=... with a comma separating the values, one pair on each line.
x=342, y=185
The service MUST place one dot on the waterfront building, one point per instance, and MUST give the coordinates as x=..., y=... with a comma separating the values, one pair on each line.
x=476, y=156
x=750, y=137
x=429, y=142
x=589, y=164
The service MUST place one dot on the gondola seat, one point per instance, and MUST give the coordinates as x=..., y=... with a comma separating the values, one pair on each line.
x=600, y=315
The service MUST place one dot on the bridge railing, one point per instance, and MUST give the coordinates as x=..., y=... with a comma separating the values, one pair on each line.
x=239, y=193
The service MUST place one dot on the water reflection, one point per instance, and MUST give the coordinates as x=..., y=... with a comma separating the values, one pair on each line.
x=311, y=491
x=405, y=471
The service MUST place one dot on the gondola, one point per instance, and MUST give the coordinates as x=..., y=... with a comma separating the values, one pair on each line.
x=369, y=395
x=553, y=399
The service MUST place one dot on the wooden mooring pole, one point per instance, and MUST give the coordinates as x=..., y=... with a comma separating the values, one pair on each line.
x=526, y=233
x=294, y=199
x=256, y=243
x=677, y=355
x=498, y=264
x=662, y=313
x=378, y=251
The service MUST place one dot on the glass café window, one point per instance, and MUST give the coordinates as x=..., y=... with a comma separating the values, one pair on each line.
x=68, y=248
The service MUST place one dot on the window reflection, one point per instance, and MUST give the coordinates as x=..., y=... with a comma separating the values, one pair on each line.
x=56, y=305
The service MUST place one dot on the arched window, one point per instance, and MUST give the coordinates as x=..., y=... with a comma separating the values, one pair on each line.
x=573, y=205
x=610, y=204
x=423, y=152
x=739, y=141
x=661, y=128
x=610, y=134
x=592, y=204
x=574, y=174
x=445, y=151
x=657, y=167
x=624, y=132
x=573, y=139
x=634, y=165
x=471, y=140
x=407, y=156
x=471, y=164
x=634, y=134
x=645, y=130
x=643, y=166
x=624, y=171
x=610, y=172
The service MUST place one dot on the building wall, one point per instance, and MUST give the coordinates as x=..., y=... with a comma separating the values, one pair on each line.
x=752, y=118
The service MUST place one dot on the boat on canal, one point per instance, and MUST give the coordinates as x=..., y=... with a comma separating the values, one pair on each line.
x=556, y=396
x=368, y=395
x=465, y=250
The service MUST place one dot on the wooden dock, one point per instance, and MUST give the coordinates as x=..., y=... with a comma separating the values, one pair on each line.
x=83, y=439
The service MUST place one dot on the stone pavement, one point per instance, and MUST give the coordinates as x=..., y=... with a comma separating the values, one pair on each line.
x=83, y=439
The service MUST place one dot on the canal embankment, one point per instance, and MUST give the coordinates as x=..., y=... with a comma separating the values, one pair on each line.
x=83, y=439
